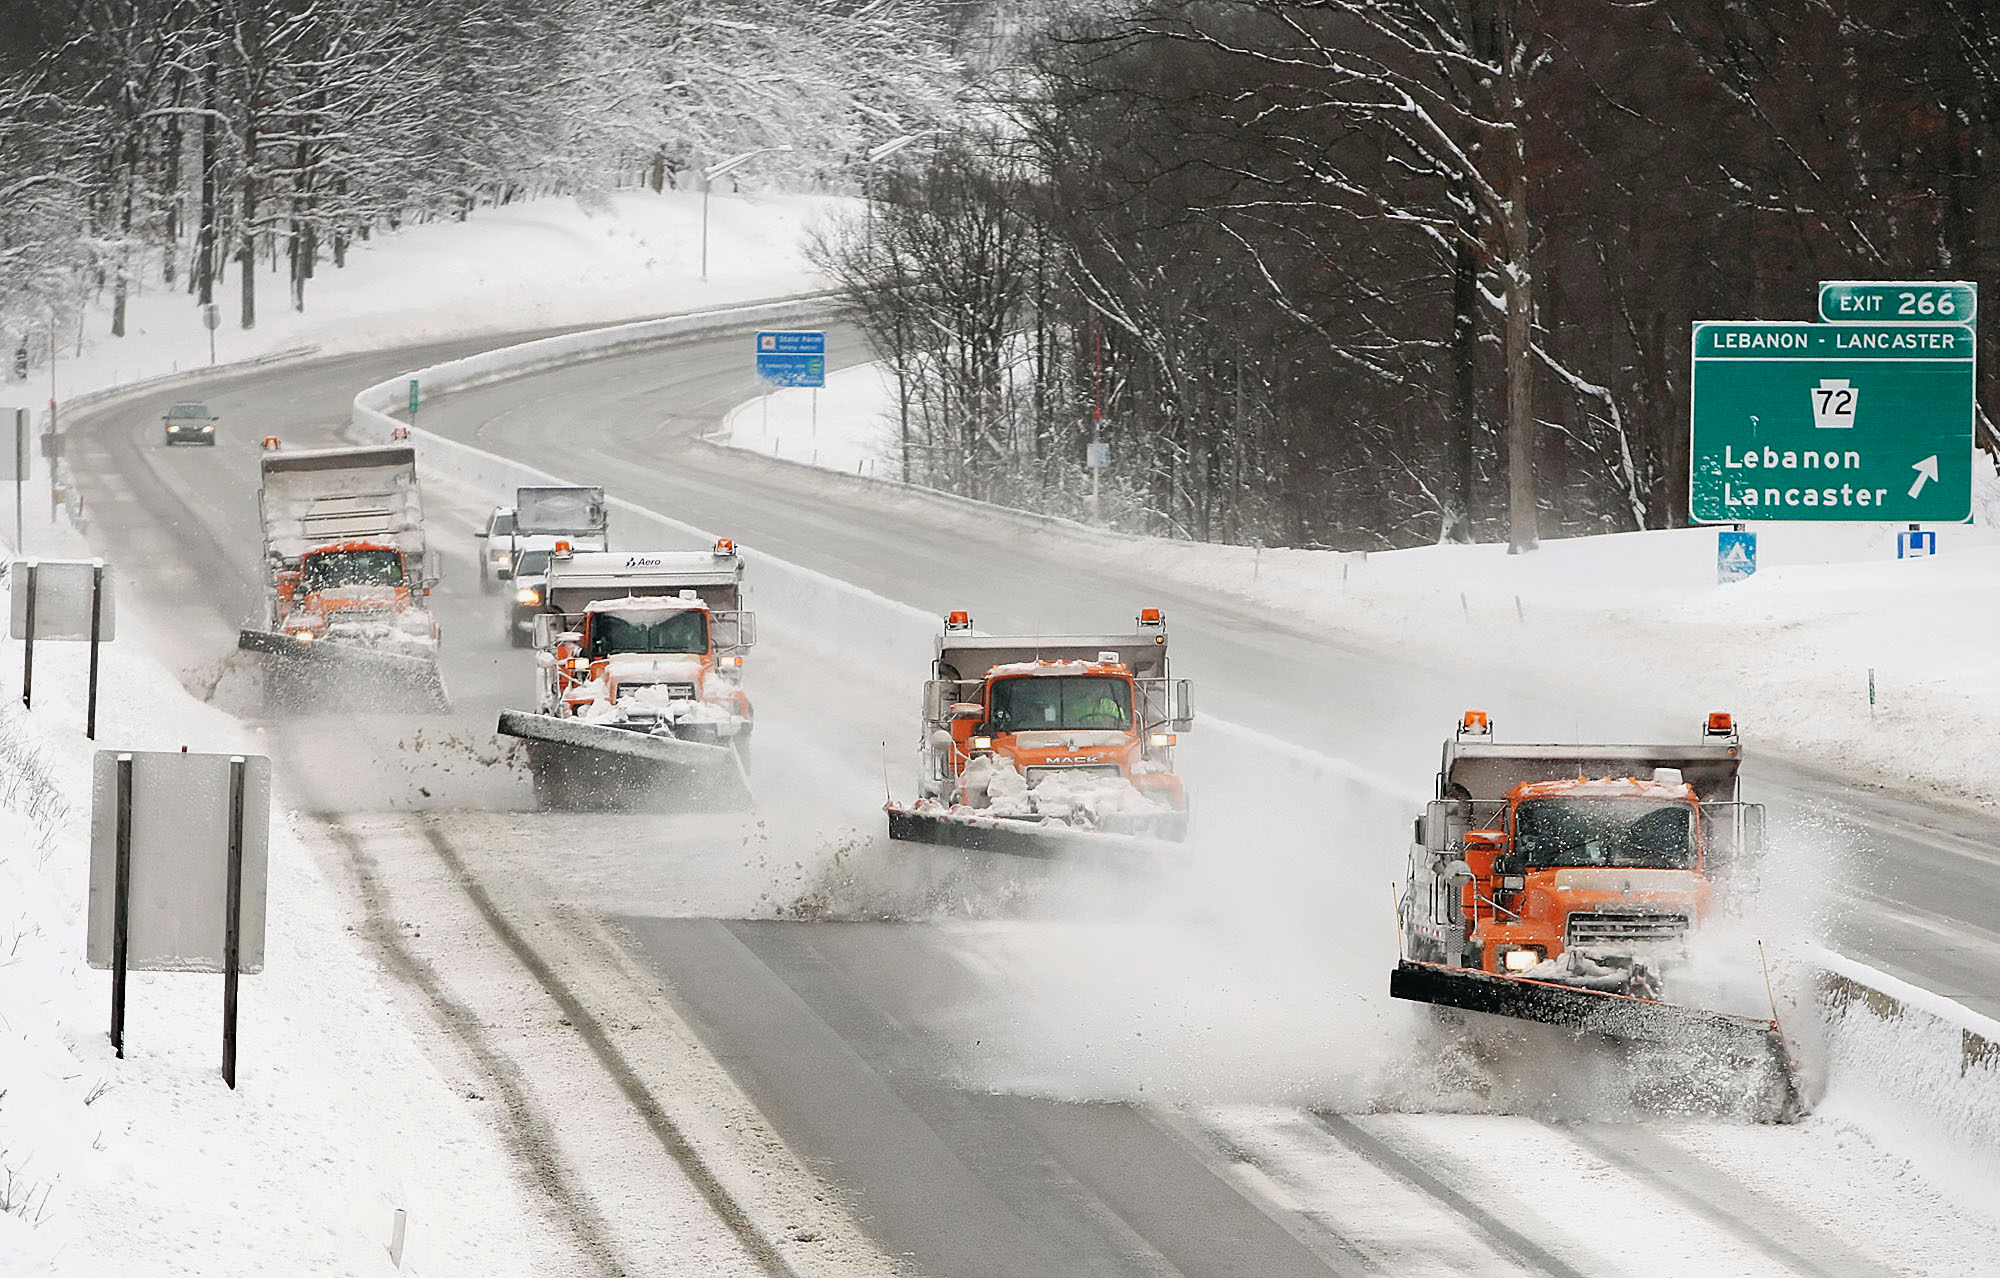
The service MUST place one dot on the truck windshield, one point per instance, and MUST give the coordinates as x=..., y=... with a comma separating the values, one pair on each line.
x=531, y=563
x=1040, y=703
x=334, y=568
x=685, y=632
x=1622, y=832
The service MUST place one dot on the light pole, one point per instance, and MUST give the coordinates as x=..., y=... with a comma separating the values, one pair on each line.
x=708, y=176
x=879, y=152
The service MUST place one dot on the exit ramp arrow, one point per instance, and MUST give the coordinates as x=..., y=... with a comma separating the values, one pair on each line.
x=1926, y=471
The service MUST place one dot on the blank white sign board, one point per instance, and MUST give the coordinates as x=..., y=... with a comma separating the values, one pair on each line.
x=180, y=860
x=62, y=600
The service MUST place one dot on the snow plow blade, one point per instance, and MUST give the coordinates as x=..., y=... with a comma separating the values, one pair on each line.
x=1572, y=1007
x=1754, y=1043
x=589, y=765
x=996, y=834
x=394, y=673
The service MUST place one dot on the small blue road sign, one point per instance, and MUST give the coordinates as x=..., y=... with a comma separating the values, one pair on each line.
x=792, y=359
x=1917, y=543
x=1735, y=555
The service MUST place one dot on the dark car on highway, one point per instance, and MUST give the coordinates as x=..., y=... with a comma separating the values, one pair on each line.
x=191, y=423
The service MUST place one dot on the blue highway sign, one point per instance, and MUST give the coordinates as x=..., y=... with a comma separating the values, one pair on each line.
x=792, y=359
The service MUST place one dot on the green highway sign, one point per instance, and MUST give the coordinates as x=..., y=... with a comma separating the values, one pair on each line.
x=1891, y=302
x=1868, y=423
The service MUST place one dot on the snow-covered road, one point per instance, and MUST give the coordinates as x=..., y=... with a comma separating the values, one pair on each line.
x=1149, y=1073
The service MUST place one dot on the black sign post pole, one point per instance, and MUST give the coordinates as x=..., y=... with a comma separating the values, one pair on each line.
x=121, y=904
x=96, y=628
x=28, y=648
x=232, y=934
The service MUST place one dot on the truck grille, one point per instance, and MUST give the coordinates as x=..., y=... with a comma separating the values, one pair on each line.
x=1088, y=769
x=674, y=691
x=1625, y=927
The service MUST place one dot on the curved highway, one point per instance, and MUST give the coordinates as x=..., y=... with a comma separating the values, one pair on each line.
x=1018, y=1070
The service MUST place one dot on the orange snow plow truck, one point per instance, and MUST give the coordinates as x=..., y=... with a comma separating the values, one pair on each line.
x=1561, y=883
x=348, y=573
x=1036, y=745
x=639, y=680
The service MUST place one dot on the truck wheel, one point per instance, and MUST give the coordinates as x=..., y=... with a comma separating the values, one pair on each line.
x=487, y=586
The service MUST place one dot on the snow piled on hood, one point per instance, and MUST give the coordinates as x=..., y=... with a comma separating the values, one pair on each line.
x=1048, y=668
x=643, y=608
x=1074, y=796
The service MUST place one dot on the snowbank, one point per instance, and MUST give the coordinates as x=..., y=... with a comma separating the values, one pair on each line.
x=150, y=1165
x=1917, y=1072
x=843, y=427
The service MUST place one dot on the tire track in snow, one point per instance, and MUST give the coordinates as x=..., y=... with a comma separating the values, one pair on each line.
x=1232, y=1165
x=614, y=1064
x=527, y=1132
x=1508, y=1241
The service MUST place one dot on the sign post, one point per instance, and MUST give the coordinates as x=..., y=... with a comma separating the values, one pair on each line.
x=179, y=859
x=28, y=636
x=96, y=638
x=121, y=906
x=1831, y=422
x=232, y=922
x=792, y=359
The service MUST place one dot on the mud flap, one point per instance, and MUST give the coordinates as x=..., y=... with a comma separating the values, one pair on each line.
x=394, y=673
x=1754, y=1043
x=994, y=834
x=589, y=765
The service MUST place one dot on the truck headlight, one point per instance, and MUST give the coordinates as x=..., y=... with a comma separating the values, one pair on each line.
x=1161, y=740
x=1520, y=960
x=982, y=743
x=501, y=559
x=527, y=595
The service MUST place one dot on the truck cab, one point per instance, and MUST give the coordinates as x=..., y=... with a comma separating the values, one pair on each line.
x=352, y=590
x=1579, y=865
x=1074, y=729
x=651, y=642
